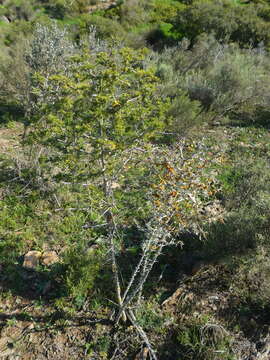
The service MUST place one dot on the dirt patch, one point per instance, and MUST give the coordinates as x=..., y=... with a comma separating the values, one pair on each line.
x=10, y=139
x=29, y=333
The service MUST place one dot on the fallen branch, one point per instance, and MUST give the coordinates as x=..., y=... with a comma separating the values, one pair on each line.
x=142, y=334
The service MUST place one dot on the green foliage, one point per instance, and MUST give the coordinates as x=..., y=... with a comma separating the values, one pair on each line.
x=21, y=9
x=163, y=11
x=46, y=52
x=231, y=83
x=106, y=28
x=13, y=34
x=252, y=279
x=106, y=102
x=184, y=114
x=151, y=319
x=133, y=13
x=200, y=339
x=56, y=9
x=173, y=20
x=245, y=184
x=224, y=79
x=167, y=32
x=81, y=267
x=13, y=217
x=225, y=19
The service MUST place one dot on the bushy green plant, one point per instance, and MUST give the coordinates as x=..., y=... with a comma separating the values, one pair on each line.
x=235, y=81
x=223, y=78
x=133, y=13
x=13, y=215
x=151, y=319
x=185, y=114
x=106, y=28
x=114, y=103
x=21, y=10
x=163, y=11
x=226, y=19
x=199, y=339
x=252, y=278
x=57, y=9
x=46, y=52
x=80, y=270
x=104, y=105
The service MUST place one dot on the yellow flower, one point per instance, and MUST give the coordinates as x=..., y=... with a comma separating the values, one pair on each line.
x=116, y=103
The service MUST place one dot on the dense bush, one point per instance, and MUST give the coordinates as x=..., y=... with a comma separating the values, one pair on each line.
x=20, y=9
x=46, y=52
x=198, y=338
x=79, y=272
x=224, y=78
x=172, y=20
x=236, y=79
x=226, y=19
x=106, y=28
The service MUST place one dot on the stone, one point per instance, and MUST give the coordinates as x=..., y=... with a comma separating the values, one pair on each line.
x=4, y=19
x=213, y=299
x=31, y=259
x=49, y=258
x=115, y=185
x=173, y=299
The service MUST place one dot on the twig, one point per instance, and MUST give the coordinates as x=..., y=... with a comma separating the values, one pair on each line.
x=72, y=209
x=142, y=334
x=56, y=199
x=114, y=265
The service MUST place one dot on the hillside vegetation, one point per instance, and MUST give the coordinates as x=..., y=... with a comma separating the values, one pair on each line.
x=134, y=179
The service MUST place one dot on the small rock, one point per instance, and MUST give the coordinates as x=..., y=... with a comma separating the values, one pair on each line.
x=173, y=299
x=31, y=259
x=115, y=185
x=213, y=299
x=49, y=258
x=4, y=19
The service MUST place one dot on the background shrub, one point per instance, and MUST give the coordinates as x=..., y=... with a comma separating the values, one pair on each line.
x=223, y=78
x=225, y=19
